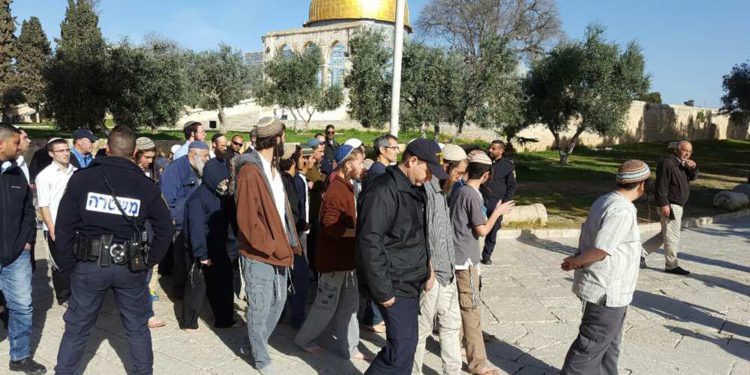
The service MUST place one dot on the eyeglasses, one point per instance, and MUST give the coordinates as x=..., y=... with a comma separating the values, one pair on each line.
x=330, y=132
x=61, y=151
x=392, y=147
x=237, y=144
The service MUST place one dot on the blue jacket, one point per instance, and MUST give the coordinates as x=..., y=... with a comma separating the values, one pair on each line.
x=206, y=213
x=16, y=213
x=177, y=182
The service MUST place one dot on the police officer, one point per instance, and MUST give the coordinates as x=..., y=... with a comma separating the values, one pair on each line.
x=101, y=238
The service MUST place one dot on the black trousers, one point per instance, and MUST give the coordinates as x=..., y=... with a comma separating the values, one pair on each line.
x=213, y=283
x=60, y=279
x=402, y=335
x=491, y=238
x=90, y=284
x=181, y=265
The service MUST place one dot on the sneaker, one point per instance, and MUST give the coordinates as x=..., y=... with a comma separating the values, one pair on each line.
x=678, y=271
x=486, y=262
x=643, y=263
x=27, y=366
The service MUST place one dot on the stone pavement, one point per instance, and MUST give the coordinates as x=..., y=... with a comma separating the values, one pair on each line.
x=676, y=325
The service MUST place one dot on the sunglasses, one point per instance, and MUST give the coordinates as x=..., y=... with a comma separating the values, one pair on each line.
x=237, y=144
x=330, y=132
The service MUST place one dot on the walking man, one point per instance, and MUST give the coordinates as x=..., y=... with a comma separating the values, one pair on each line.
x=498, y=189
x=51, y=183
x=606, y=272
x=392, y=260
x=17, y=235
x=673, y=176
x=469, y=223
x=266, y=238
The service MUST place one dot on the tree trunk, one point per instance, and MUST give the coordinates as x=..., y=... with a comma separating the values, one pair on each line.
x=294, y=116
x=565, y=154
x=437, y=132
x=222, y=121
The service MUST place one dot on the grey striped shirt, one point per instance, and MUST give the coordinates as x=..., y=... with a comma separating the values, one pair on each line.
x=440, y=233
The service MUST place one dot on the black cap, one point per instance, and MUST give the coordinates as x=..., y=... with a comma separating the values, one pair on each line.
x=429, y=152
x=84, y=133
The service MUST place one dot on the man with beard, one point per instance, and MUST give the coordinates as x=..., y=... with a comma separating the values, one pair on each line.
x=180, y=179
x=266, y=238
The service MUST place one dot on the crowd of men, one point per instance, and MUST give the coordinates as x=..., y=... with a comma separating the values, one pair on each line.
x=393, y=244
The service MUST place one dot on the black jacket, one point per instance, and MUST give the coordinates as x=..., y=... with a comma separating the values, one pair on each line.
x=673, y=182
x=291, y=196
x=392, y=254
x=86, y=208
x=329, y=155
x=207, y=214
x=502, y=184
x=17, y=215
x=39, y=161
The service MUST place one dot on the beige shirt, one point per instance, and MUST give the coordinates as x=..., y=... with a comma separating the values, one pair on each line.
x=611, y=226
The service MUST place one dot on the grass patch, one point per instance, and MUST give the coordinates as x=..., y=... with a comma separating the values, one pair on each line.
x=566, y=191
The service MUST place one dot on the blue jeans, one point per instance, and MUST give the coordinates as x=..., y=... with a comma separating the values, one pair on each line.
x=15, y=282
x=265, y=286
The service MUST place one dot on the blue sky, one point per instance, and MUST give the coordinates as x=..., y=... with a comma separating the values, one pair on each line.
x=689, y=45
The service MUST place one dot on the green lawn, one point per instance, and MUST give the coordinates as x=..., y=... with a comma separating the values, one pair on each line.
x=568, y=191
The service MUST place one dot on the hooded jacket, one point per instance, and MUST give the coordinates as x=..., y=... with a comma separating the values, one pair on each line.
x=338, y=213
x=262, y=234
x=16, y=214
x=207, y=213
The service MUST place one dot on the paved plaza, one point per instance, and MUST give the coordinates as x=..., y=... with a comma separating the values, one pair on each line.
x=676, y=325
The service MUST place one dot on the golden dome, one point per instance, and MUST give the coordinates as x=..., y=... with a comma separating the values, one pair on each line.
x=334, y=10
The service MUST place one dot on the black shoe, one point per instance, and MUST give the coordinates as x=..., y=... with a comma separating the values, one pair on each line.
x=27, y=366
x=678, y=271
x=643, y=263
x=486, y=262
x=4, y=316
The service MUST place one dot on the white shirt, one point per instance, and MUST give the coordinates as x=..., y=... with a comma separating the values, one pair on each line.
x=182, y=151
x=307, y=200
x=277, y=190
x=50, y=187
x=611, y=226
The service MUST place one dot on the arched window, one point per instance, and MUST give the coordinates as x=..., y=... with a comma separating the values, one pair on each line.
x=286, y=51
x=337, y=64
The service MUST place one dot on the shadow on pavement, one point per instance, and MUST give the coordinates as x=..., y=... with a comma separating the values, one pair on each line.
x=676, y=310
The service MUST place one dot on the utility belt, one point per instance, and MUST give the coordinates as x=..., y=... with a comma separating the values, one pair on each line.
x=106, y=253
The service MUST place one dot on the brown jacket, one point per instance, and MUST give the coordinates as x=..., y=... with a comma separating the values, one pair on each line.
x=338, y=213
x=261, y=231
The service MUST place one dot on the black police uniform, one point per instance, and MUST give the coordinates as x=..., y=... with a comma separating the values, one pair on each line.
x=88, y=216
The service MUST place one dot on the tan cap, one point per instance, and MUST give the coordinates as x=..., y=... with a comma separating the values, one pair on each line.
x=289, y=149
x=453, y=152
x=269, y=127
x=144, y=143
x=480, y=158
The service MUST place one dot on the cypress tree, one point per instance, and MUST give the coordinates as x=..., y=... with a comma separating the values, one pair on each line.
x=33, y=56
x=7, y=54
x=77, y=89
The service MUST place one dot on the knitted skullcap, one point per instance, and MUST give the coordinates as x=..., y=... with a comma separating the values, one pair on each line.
x=144, y=143
x=633, y=171
x=269, y=127
x=480, y=158
x=453, y=152
x=288, y=150
x=200, y=145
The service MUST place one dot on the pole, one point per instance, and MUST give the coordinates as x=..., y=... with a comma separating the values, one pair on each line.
x=398, y=47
